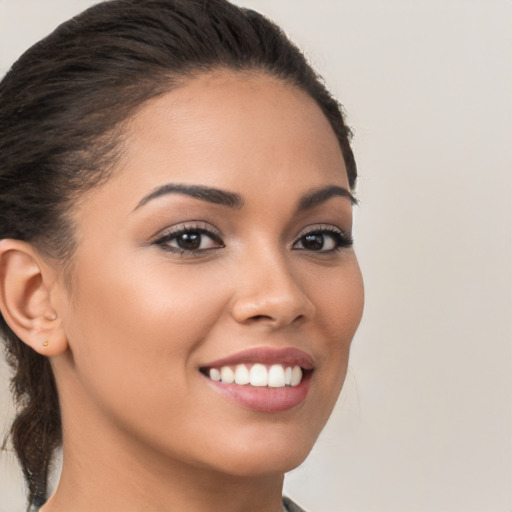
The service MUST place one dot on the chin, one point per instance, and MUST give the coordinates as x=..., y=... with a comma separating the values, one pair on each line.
x=267, y=464
x=265, y=455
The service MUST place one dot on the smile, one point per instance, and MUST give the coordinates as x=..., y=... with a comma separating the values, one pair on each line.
x=262, y=379
x=258, y=375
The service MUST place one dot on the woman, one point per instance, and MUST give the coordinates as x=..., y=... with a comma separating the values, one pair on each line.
x=178, y=288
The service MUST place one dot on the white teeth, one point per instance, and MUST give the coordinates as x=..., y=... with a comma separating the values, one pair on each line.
x=277, y=376
x=214, y=374
x=242, y=375
x=258, y=375
x=296, y=375
x=227, y=375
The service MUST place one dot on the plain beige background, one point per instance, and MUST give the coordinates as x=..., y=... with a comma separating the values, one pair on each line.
x=425, y=421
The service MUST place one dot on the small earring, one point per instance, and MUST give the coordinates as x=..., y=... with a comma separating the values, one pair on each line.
x=46, y=343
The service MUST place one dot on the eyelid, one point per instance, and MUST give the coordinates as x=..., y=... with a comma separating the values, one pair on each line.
x=344, y=239
x=188, y=225
x=201, y=227
x=315, y=228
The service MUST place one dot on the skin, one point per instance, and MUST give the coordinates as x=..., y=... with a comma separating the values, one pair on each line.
x=143, y=428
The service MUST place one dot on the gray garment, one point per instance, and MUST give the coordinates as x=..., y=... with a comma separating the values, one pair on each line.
x=288, y=506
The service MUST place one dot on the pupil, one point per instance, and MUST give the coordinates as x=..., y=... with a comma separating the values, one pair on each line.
x=189, y=241
x=313, y=242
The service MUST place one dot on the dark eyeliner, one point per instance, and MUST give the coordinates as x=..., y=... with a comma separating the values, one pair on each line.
x=163, y=240
x=342, y=239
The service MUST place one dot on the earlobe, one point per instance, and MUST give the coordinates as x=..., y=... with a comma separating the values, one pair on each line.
x=25, y=298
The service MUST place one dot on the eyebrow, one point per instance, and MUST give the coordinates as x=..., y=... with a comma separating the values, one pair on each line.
x=211, y=195
x=236, y=201
x=321, y=195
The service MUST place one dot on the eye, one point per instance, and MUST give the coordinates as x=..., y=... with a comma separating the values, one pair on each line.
x=323, y=239
x=190, y=239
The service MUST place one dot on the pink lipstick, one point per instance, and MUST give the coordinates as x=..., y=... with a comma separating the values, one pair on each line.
x=262, y=379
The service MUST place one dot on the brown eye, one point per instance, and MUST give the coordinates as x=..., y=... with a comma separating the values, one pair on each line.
x=314, y=242
x=323, y=240
x=189, y=241
x=193, y=239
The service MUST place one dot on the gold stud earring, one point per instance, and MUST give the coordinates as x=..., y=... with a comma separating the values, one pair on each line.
x=46, y=343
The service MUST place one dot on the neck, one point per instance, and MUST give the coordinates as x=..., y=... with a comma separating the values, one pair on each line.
x=108, y=473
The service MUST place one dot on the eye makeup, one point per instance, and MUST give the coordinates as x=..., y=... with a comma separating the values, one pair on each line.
x=198, y=237
x=324, y=239
x=190, y=238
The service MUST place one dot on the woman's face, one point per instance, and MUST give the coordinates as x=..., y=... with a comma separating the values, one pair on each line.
x=221, y=244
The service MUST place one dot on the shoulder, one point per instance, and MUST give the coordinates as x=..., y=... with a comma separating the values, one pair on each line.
x=290, y=506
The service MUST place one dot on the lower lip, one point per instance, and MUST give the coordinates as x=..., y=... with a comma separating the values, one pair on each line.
x=264, y=399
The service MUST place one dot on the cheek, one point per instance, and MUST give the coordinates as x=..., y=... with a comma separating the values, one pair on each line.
x=339, y=307
x=133, y=333
x=133, y=328
x=339, y=301
x=148, y=304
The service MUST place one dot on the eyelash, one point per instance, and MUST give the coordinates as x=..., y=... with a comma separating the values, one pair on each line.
x=340, y=239
x=196, y=229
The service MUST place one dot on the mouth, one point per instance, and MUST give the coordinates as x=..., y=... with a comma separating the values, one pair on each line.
x=257, y=375
x=265, y=380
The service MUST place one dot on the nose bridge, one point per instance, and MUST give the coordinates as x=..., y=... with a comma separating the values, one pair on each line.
x=269, y=290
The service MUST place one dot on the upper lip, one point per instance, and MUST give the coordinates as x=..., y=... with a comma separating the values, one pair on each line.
x=287, y=356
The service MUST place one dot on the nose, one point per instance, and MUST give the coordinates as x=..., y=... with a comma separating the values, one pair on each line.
x=267, y=291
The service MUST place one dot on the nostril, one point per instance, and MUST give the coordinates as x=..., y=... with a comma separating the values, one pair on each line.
x=260, y=317
x=269, y=318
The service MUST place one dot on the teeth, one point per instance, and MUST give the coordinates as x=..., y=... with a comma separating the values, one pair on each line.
x=276, y=376
x=258, y=375
x=214, y=374
x=227, y=375
x=242, y=375
x=296, y=375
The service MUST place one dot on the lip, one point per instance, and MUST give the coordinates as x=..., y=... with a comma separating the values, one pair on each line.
x=286, y=356
x=265, y=399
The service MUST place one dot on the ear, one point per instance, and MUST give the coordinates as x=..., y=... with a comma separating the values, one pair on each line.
x=26, y=284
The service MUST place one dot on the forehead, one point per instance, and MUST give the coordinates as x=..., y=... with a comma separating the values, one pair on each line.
x=246, y=133
x=231, y=125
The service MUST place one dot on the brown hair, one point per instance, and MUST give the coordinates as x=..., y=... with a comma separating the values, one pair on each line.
x=61, y=106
